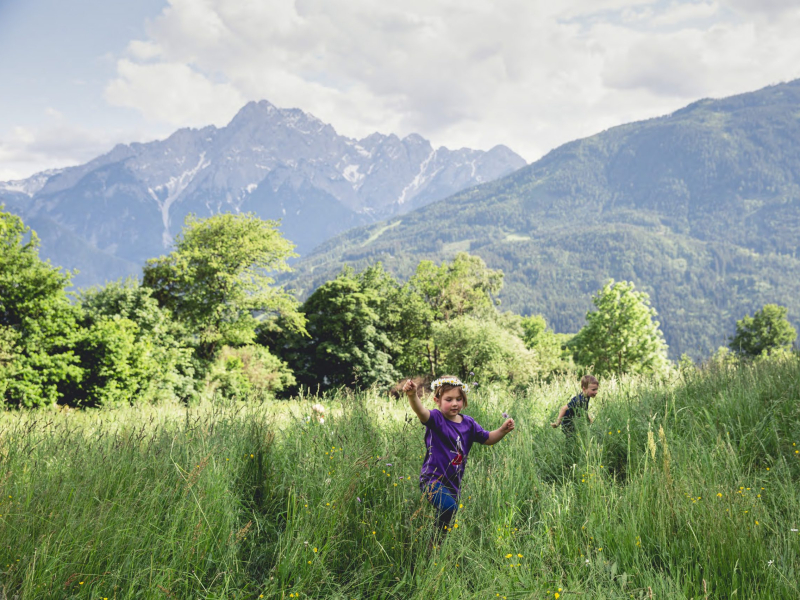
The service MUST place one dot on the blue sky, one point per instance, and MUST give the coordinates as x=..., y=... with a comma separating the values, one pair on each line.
x=80, y=76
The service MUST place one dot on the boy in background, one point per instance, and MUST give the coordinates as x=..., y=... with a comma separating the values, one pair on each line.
x=578, y=406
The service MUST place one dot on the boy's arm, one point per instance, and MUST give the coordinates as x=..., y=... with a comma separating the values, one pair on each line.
x=423, y=414
x=561, y=414
x=499, y=433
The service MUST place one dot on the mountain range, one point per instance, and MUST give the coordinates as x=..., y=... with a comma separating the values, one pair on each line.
x=108, y=216
x=700, y=208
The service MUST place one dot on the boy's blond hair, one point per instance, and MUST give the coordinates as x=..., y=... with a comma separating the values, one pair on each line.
x=588, y=380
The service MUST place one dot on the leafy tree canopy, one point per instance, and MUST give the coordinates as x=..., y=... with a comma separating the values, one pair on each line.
x=146, y=353
x=482, y=348
x=215, y=280
x=347, y=343
x=37, y=320
x=621, y=336
x=767, y=330
x=464, y=286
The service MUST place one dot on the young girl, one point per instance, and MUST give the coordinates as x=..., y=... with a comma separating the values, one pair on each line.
x=448, y=438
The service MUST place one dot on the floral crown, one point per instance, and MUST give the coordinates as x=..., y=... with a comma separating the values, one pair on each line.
x=454, y=381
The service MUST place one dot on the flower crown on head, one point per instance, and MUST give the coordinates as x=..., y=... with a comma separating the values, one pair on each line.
x=454, y=381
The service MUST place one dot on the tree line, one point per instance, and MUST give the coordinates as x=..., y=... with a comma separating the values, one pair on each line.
x=208, y=319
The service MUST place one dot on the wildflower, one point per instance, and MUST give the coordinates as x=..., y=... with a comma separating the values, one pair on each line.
x=359, y=499
x=770, y=563
x=556, y=595
x=315, y=549
x=388, y=464
x=505, y=415
x=509, y=555
x=520, y=556
x=719, y=495
x=460, y=506
x=373, y=533
x=756, y=522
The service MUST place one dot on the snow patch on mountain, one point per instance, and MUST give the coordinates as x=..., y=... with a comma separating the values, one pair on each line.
x=31, y=185
x=174, y=188
x=419, y=178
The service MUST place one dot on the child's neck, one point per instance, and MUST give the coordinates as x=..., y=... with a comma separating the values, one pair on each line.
x=457, y=419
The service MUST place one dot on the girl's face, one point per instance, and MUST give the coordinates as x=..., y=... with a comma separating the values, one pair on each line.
x=450, y=403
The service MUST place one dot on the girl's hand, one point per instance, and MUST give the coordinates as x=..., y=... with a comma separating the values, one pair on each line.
x=410, y=388
x=508, y=426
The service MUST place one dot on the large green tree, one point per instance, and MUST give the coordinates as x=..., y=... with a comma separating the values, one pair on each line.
x=38, y=324
x=465, y=286
x=621, y=335
x=347, y=341
x=131, y=347
x=552, y=353
x=766, y=331
x=482, y=348
x=216, y=280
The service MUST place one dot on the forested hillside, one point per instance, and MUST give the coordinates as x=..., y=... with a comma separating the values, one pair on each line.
x=700, y=208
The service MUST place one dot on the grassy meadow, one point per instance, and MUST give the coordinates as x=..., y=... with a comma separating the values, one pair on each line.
x=687, y=488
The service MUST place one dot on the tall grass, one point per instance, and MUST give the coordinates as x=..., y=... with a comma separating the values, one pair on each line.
x=680, y=489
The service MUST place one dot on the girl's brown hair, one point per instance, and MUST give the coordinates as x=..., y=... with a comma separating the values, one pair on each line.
x=446, y=387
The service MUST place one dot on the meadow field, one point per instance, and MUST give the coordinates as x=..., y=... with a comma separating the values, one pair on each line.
x=682, y=488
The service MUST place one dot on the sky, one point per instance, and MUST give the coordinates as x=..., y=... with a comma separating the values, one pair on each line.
x=78, y=77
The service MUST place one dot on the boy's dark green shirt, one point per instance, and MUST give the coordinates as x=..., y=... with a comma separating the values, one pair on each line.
x=577, y=407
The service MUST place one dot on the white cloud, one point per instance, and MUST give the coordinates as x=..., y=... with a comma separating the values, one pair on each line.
x=173, y=93
x=143, y=50
x=25, y=151
x=530, y=74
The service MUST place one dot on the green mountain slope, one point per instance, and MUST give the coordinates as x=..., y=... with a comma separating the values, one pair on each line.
x=700, y=208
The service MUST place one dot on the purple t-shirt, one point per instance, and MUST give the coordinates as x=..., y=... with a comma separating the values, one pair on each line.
x=448, y=444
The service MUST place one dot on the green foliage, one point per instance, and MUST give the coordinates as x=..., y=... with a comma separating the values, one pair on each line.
x=766, y=331
x=155, y=361
x=463, y=286
x=677, y=481
x=482, y=347
x=117, y=368
x=215, y=282
x=347, y=344
x=248, y=371
x=38, y=322
x=552, y=353
x=621, y=336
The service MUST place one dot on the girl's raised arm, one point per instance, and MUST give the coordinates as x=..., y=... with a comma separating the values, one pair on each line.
x=410, y=388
